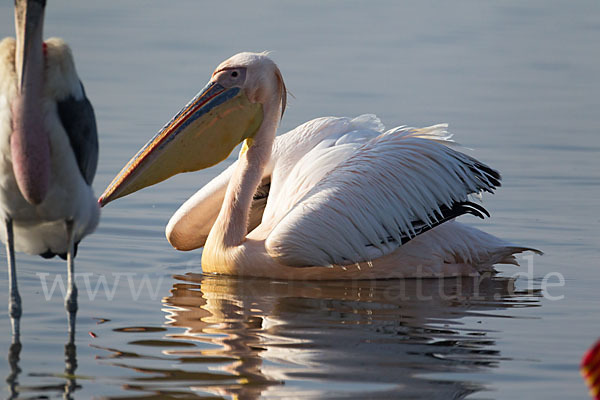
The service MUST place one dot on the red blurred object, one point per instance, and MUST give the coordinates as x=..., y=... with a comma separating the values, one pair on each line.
x=590, y=369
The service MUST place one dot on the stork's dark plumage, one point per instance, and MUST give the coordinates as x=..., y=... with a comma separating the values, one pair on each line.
x=49, y=150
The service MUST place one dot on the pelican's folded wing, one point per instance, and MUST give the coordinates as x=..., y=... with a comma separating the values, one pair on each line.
x=394, y=187
x=189, y=227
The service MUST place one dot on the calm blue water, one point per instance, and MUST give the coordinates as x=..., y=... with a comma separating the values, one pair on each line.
x=517, y=81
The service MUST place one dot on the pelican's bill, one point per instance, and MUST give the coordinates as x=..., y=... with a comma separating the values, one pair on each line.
x=201, y=135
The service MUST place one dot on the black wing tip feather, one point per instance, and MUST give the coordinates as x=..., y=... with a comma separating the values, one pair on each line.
x=474, y=209
x=489, y=173
x=445, y=214
x=488, y=178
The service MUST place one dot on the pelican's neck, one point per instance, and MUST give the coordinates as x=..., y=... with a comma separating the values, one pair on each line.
x=231, y=225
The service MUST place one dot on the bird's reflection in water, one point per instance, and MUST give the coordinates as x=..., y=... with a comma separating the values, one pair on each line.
x=14, y=354
x=66, y=389
x=248, y=338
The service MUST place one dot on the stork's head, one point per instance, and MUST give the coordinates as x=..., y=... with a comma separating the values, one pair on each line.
x=229, y=110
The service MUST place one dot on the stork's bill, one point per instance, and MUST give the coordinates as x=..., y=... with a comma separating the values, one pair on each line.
x=201, y=135
x=29, y=21
x=29, y=141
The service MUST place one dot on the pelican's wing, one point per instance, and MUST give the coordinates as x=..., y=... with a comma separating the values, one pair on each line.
x=302, y=157
x=78, y=119
x=389, y=190
x=189, y=227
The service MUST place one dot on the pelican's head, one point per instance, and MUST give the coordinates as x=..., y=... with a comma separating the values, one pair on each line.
x=229, y=110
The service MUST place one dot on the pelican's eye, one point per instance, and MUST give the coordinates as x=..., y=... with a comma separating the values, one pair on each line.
x=232, y=77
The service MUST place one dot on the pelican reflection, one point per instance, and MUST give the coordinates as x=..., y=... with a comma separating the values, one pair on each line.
x=252, y=337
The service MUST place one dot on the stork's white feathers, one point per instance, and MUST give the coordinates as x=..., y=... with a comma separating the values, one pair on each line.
x=41, y=228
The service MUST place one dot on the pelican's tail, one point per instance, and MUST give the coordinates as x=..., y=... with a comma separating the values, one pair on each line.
x=456, y=243
x=505, y=255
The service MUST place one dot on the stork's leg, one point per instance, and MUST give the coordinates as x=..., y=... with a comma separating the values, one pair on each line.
x=14, y=310
x=71, y=298
x=14, y=299
x=71, y=306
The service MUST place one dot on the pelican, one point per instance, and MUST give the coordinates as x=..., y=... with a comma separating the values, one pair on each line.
x=49, y=148
x=335, y=198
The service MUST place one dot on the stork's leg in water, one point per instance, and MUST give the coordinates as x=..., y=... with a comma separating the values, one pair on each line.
x=14, y=299
x=71, y=298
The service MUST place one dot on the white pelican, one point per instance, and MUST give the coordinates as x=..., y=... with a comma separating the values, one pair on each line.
x=49, y=150
x=335, y=198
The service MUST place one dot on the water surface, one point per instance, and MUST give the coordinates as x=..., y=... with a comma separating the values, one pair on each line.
x=517, y=81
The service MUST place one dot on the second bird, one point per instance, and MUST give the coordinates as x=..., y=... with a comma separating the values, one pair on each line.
x=49, y=148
